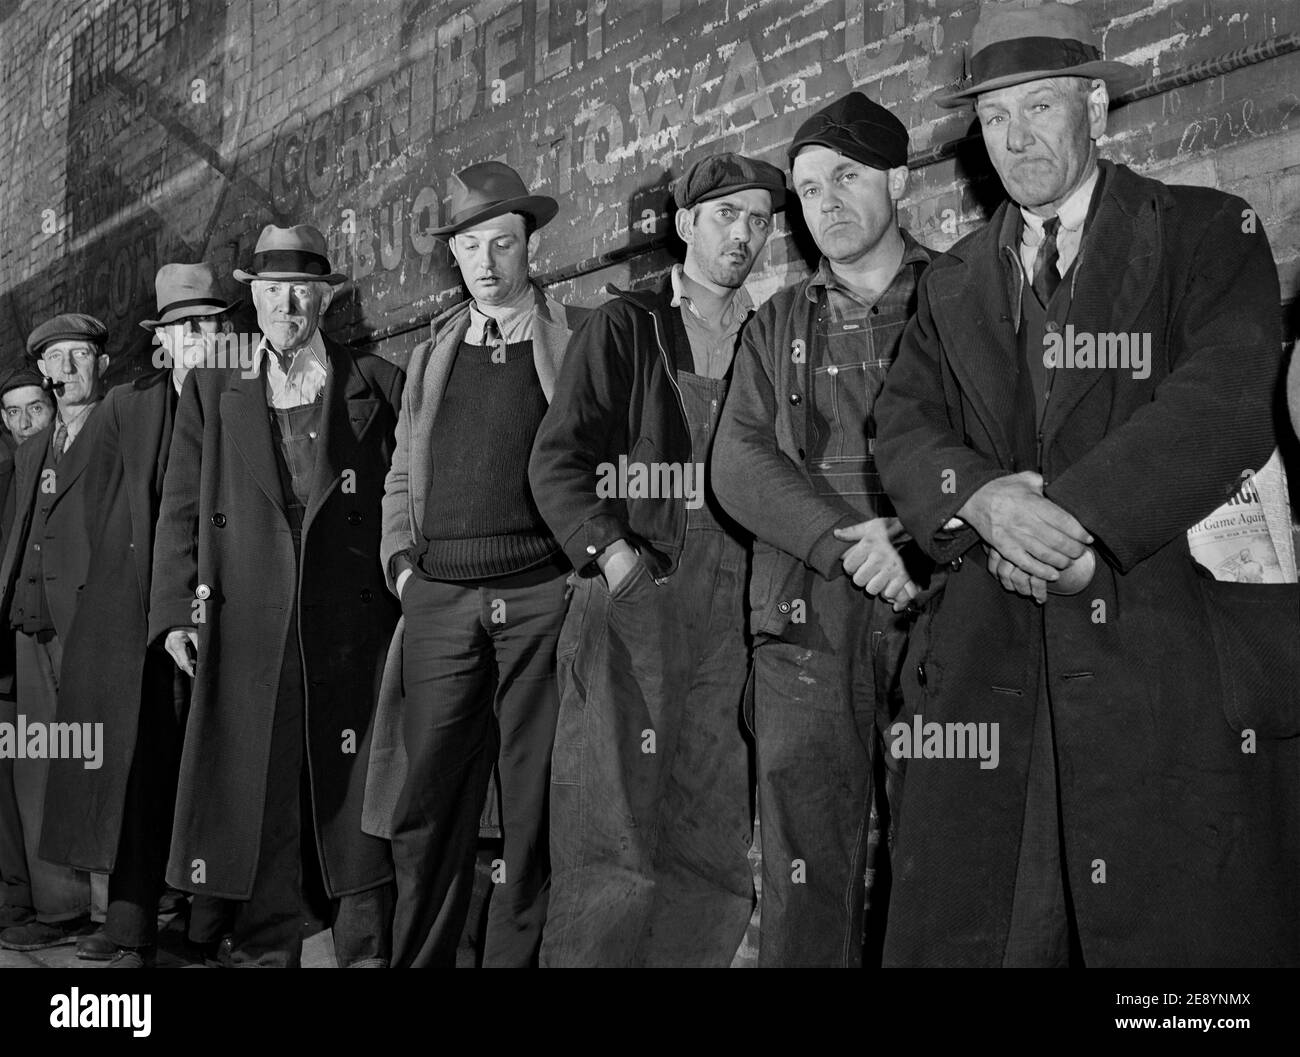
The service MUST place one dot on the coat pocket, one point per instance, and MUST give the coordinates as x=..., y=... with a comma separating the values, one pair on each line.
x=1256, y=632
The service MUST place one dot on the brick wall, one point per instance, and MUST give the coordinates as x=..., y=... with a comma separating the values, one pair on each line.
x=141, y=131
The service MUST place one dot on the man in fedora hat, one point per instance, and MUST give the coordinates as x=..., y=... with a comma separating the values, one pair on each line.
x=829, y=571
x=117, y=818
x=1133, y=817
x=266, y=589
x=46, y=559
x=650, y=784
x=481, y=581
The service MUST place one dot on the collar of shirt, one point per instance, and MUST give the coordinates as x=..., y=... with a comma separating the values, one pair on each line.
x=1073, y=212
x=515, y=320
x=73, y=425
x=305, y=377
x=684, y=287
x=824, y=276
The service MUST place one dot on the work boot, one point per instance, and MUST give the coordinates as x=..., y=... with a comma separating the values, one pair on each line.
x=40, y=935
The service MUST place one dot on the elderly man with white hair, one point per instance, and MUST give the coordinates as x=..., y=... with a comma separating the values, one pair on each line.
x=267, y=588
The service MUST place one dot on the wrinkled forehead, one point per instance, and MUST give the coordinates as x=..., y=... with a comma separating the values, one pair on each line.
x=1043, y=88
x=749, y=200
x=68, y=347
x=262, y=287
x=506, y=224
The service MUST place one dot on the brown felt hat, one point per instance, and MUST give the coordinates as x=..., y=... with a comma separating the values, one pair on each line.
x=492, y=189
x=1025, y=41
x=295, y=254
x=185, y=291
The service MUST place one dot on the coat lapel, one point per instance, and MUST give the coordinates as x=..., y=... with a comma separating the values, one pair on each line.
x=974, y=311
x=28, y=460
x=550, y=339
x=146, y=427
x=244, y=417
x=72, y=464
x=1119, y=265
x=347, y=414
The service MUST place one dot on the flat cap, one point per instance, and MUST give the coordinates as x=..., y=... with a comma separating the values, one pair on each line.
x=20, y=377
x=70, y=326
x=858, y=129
x=721, y=174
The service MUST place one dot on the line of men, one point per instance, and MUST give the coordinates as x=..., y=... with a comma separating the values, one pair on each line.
x=641, y=572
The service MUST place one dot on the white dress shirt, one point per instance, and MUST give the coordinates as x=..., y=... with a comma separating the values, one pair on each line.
x=305, y=377
x=1073, y=212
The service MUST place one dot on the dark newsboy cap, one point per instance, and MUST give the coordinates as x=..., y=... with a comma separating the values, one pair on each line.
x=70, y=326
x=722, y=174
x=858, y=129
x=21, y=377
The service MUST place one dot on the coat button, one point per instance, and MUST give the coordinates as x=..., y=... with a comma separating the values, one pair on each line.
x=202, y=591
x=354, y=517
x=219, y=519
x=591, y=548
x=920, y=674
x=367, y=595
x=796, y=399
x=784, y=607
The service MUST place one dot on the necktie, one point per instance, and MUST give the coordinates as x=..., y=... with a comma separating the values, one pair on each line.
x=493, y=339
x=60, y=440
x=1046, y=279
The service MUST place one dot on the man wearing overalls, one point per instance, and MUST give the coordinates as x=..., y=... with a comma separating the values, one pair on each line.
x=650, y=784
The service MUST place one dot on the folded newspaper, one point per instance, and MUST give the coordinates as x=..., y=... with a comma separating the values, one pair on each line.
x=1249, y=539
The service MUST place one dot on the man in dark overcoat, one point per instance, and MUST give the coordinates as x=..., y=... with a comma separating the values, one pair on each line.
x=46, y=558
x=267, y=586
x=28, y=408
x=1087, y=377
x=117, y=818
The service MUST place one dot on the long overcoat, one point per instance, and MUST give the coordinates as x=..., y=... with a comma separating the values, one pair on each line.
x=224, y=564
x=1173, y=695
x=106, y=665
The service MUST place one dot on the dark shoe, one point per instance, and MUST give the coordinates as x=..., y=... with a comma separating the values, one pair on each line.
x=39, y=935
x=210, y=955
x=11, y=916
x=173, y=902
x=133, y=958
x=96, y=947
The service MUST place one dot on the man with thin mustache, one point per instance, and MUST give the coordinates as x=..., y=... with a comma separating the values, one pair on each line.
x=650, y=784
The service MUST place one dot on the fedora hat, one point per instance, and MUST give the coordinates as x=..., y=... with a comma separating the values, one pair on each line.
x=185, y=291
x=1022, y=41
x=492, y=189
x=296, y=253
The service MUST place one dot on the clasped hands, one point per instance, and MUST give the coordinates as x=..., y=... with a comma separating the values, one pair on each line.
x=1033, y=545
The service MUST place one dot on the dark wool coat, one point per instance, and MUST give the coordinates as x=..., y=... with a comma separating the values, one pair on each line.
x=1172, y=694
x=223, y=533
x=65, y=545
x=106, y=665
